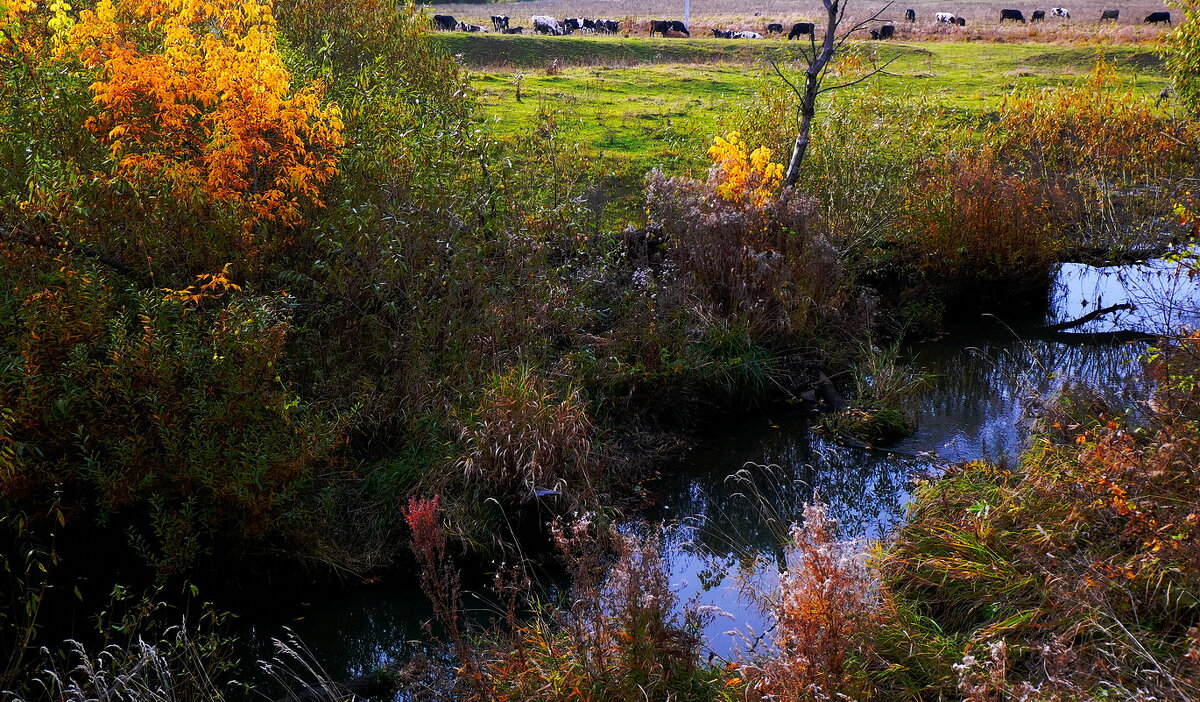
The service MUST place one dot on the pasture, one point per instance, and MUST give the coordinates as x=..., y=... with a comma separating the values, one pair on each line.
x=645, y=103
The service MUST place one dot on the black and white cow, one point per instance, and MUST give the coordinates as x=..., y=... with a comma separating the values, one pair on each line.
x=500, y=22
x=801, y=28
x=473, y=28
x=775, y=28
x=514, y=30
x=1012, y=15
x=444, y=22
x=547, y=25
x=608, y=26
x=746, y=35
x=664, y=26
x=1060, y=12
x=572, y=24
x=945, y=18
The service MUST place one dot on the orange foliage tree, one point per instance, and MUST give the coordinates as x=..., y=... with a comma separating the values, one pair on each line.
x=194, y=93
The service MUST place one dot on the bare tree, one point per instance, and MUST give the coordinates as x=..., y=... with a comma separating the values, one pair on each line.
x=818, y=59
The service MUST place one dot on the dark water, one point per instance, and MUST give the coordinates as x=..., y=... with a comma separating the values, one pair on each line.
x=730, y=507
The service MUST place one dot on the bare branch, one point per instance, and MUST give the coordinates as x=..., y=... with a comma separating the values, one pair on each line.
x=790, y=84
x=874, y=72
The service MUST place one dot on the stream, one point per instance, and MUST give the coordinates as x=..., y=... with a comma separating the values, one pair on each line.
x=733, y=500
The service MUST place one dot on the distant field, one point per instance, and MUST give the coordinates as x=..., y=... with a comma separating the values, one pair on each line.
x=653, y=103
x=964, y=60
x=982, y=15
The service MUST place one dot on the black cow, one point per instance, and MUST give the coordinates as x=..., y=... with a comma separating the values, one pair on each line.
x=589, y=25
x=608, y=26
x=664, y=26
x=1013, y=15
x=1037, y=16
x=801, y=28
x=513, y=30
x=887, y=31
x=774, y=28
x=444, y=22
x=1110, y=15
x=1158, y=17
x=910, y=15
x=500, y=22
x=960, y=21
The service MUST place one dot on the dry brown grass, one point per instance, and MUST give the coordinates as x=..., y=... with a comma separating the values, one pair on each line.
x=982, y=17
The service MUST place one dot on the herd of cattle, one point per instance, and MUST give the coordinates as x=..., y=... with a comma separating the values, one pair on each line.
x=543, y=24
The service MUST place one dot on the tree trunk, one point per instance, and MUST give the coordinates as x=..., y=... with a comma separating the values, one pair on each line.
x=812, y=88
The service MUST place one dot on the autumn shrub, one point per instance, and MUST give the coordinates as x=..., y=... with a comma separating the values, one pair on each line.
x=746, y=250
x=969, y=225
x=160, y=414
x=1073, y=573
x=621, y=635
x=825, y=613
x=1115, y=156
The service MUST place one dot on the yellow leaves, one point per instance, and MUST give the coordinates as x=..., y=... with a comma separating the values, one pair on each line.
x=210, y=108
x=211, y=287
x=741, y=176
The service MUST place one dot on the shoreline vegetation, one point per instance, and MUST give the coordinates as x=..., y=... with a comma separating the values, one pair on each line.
x=289, y=286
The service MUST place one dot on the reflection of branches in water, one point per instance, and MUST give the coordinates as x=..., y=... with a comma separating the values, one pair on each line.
x=979, y=397
x=750, y=513
x=1164, y=294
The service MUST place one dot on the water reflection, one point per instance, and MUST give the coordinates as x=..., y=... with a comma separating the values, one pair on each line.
x=1163, y=294
x=731, y=506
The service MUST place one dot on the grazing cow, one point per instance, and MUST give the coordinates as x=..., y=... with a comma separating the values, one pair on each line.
x=887, y=31
x=775, y=28
x=547, y=25
x=960, y=21
x=910, y=15
x=801, y=28
x=746, y=35
x=1061, y=12
x=1110, y=15
x=500, y=22
x=513, y=30
x=1037, y=16
x=1157, y=17
x=945, y=18
x=664, y=26
x=464, y=27
x=445, y=22
x=1012, y=15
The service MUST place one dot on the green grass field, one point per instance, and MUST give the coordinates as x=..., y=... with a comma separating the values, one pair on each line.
x=647, y=103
